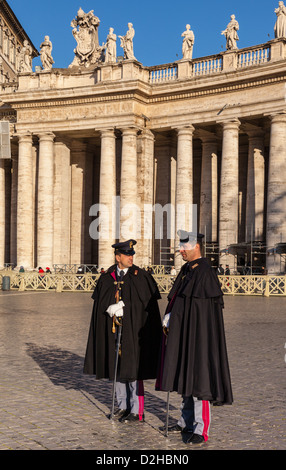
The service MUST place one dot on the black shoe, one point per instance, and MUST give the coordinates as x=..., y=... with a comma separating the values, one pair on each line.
x=120, y=413
x=195, y=439
x=131, y=418
x=172, y=428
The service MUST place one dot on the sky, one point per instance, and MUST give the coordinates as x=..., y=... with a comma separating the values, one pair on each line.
x=158, y=25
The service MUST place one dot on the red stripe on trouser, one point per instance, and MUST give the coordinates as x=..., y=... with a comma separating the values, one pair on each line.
x=141, y=399
x=206, y=418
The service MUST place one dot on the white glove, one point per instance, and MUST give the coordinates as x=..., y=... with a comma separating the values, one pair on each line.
x=166, y=320
x=116, y=309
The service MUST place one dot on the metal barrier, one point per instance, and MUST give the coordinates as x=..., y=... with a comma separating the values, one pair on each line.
x=58, y=282
x=231, y=285
x=253, y=285
x=74, y=268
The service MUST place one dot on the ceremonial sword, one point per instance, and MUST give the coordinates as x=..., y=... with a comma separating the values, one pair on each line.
x=118, y=321
x=116, y=365
x=166, y=331
x=167, y=413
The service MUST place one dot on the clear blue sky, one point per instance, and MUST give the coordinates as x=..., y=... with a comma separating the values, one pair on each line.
x=158, y=25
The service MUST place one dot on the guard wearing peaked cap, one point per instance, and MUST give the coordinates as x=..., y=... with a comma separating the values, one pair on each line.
x=125, y=248
x=125, y=306
x=189, y=237
x=194, y=359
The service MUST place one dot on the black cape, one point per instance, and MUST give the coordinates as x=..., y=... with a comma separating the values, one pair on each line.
x=194, y=356
x=141, y=328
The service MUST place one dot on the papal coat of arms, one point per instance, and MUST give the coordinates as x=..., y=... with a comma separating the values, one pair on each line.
x=85, y=31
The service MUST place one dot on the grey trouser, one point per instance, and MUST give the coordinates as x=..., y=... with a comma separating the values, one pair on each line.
x=130, y=396
x=195, y=416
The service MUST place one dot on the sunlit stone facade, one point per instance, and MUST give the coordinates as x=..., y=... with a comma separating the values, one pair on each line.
x=209, y=131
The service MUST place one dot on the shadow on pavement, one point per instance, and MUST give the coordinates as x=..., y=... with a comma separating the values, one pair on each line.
x=64, y=368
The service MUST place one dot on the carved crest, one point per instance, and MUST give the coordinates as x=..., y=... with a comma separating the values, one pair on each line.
x=85, y=31
x=85, y=42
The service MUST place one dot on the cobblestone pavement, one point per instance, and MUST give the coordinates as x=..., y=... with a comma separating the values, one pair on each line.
x=47, y=403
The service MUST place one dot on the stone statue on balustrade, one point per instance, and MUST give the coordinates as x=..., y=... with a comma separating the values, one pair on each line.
x=85, y=31
x=46, y=54
x=230, y=34
x=25, y=58
x=188, y=43
x=280, y=25
x=110, y=53
x=127, y=42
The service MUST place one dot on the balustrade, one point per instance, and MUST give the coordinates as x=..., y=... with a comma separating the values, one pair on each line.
x=161, y=74
x=248, y=57
x=257, y=56
x=207, y=66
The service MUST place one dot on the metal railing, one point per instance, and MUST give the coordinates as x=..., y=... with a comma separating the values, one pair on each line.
x=64, y=282
x=74, y=268
x=253, y=285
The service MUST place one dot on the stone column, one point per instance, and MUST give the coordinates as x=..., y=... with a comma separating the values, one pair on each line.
x=146, y=196
x=128, y=186
x=8, y=180
x=107, y=194
x=78, y=173
x=184, y=186
x=45, y=213
x=228, y=216
x=276, y=202
x=162, y=230
x=25, y=229
x=208, y=199
x=62, y=203
x=255, y=187
x=2, y=213
x=89, y=183
x=14, y=191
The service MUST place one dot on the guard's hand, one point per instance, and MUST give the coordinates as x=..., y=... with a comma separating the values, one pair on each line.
x=116, y=309
x=166, y=320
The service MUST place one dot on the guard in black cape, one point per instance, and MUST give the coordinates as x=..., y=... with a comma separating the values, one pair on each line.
x=134, y=291
x=194, y=359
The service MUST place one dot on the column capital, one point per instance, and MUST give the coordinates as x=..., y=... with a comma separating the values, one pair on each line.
x=24, y=137
x=185, y=130
x=108, y=132
x=46, y=136
x=133, y=131
x=230, y=123
x=278, y=117
x=148, y=134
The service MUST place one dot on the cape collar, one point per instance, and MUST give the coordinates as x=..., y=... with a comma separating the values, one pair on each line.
x=193, y=264
x=132, y=270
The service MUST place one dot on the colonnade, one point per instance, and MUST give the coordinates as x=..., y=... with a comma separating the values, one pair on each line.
x=54, y=189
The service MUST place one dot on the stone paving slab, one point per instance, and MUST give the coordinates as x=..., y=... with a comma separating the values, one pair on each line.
x=46, y=403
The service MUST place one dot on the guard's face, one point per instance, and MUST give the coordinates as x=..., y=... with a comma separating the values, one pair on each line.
x=189, y=251
x=124, y=261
